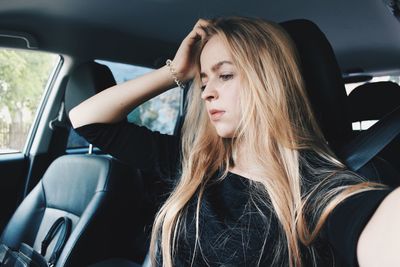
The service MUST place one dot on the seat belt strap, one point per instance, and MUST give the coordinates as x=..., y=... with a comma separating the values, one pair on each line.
x=372, y=141
x=63, y=224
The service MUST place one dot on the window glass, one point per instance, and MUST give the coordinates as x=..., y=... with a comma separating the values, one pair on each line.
x=158, y=114
x=23, y=78
x=364, y=125
x=351, y=86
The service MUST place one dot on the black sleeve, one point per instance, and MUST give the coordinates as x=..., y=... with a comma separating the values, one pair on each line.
x=348, y=219
x=135, y=145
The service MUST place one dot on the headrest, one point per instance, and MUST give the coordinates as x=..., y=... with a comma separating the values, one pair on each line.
x=372, y=101
x=323, y=80
x=85, y=81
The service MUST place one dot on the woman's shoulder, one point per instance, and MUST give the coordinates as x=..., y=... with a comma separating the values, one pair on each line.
x=136, y=145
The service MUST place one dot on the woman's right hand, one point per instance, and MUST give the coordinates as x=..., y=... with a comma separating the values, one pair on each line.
x=184, y=63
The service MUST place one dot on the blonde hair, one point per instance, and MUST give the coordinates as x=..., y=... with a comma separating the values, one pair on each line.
x=298, y=174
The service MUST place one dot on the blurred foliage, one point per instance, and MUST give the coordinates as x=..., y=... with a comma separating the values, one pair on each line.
x=23, y=76
x=159, y=113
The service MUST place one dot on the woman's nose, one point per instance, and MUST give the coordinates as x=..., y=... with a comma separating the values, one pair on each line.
x=209, y=92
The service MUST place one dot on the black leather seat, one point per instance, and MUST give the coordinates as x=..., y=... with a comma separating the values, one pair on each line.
x=98, y=193
x=373, y=101
x=323, y=81
x=327, y=94
x=86, y=80
x=91, y=191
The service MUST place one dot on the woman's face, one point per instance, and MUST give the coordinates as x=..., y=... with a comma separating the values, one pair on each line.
x=220, y=87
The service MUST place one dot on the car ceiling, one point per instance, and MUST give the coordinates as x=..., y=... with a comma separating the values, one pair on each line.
x=364, y=34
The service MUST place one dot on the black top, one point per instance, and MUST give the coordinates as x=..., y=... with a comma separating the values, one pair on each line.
x=232, y=233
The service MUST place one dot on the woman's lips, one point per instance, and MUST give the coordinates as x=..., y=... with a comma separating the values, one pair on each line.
x=216, y=115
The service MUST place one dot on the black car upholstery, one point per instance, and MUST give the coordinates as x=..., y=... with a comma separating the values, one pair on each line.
x=372, y=101
x=83, y=188
x=322, y=79
x=86, y=80
x=327, y=94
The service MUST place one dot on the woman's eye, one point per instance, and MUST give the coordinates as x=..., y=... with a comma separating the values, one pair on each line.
x=203, y=87
x=226, y=77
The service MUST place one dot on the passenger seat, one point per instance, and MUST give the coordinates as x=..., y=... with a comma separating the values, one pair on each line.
x=371, y=102
x=325, y=88
x=97, y=192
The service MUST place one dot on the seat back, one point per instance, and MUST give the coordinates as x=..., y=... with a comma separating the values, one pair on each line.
x=323, y=80
x=325, y=87
x=373, y=102
x=98, y=193
x=92, y=192
x=86, y=80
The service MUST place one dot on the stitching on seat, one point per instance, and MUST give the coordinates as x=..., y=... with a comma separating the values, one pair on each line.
x=44, y=193
x=79, y=216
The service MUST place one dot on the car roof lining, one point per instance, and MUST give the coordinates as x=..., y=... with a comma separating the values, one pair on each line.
x=365, y=37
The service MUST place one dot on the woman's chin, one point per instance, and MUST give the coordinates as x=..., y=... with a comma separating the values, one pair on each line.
x=223, y=133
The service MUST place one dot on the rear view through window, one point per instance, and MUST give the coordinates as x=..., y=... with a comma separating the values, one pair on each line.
x=158, y=114
x=370, y=101
x=23, y=78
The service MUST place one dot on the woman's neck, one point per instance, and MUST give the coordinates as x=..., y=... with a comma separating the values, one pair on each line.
x=241, y=166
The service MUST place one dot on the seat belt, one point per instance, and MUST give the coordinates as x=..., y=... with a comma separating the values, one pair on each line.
x=182, y=108
x=372, y=141
x=27, y=256
x=63, y=224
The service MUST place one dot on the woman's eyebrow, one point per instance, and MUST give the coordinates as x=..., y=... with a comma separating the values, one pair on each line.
x=215, y=67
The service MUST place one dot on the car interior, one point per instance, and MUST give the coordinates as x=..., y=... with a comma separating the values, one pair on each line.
x=348, y=53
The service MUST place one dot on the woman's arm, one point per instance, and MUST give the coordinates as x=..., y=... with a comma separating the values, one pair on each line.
x=379, y=242
x=114, y=103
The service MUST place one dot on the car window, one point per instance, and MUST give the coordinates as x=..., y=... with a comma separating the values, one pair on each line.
x=23, y=79
x=157, y=114
x=351, y=86
x=364, y=125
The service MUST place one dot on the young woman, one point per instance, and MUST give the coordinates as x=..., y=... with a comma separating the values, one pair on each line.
x=255, y=182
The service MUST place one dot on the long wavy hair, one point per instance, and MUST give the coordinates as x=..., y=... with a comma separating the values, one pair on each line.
x=298, y=176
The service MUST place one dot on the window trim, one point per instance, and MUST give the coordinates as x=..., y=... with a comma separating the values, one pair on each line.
x=39, y=112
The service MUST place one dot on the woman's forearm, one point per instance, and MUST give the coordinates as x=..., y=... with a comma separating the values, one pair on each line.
x=114, y=103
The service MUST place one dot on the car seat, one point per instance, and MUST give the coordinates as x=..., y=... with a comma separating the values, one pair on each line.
x=325, y=87
x=372, y=102
x=98, y=194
